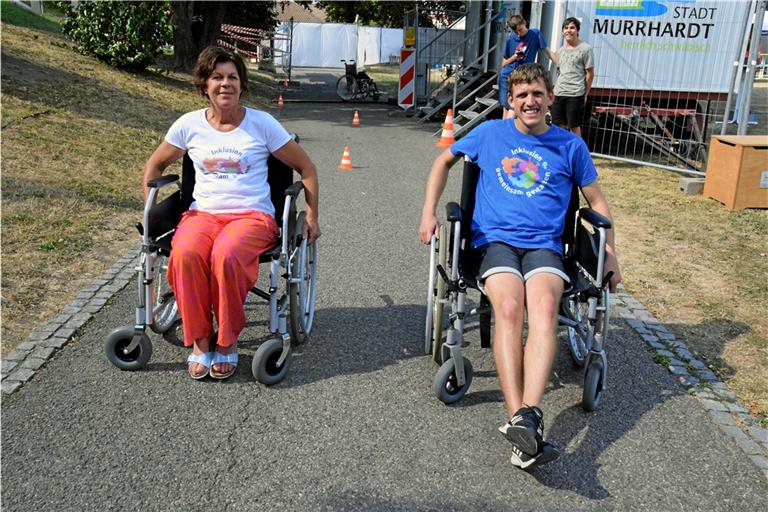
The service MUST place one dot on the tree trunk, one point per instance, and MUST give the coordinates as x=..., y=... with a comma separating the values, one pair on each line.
x=196, y=25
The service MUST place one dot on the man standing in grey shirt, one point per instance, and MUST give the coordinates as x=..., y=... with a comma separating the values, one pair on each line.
x=576, y=64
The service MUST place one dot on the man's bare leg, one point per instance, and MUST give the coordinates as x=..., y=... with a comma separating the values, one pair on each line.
x=543, y=294
x=507, y=296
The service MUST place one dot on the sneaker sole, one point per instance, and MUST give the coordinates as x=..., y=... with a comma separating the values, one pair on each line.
x=548, y=454
x=521, y=438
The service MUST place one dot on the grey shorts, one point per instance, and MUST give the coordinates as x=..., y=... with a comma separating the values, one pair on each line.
x=499, y=257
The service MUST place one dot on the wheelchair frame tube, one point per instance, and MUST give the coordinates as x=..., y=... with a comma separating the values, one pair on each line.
x=144, y=313
x=455, y=335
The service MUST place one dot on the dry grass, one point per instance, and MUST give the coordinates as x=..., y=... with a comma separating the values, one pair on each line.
x=76, y=134
x=699, y=268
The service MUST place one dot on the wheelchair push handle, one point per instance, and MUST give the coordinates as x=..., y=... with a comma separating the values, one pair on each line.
x=606, y=279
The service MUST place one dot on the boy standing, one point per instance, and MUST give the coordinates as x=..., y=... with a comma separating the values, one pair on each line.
x=577, y=69
x=527, y=172
x=522, y=47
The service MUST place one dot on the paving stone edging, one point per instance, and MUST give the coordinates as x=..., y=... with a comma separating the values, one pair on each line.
x=720, y=402
x=21, y=365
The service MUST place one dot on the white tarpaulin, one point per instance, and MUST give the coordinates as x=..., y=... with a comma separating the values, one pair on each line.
x=323, y=45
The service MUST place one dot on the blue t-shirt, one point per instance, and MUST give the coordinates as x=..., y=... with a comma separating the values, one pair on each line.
x=525, y=183
x=532, y=42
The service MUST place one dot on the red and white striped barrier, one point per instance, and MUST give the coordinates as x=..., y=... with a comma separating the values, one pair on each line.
x=406, y=94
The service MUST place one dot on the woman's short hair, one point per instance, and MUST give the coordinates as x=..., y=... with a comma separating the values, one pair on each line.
x=514, y=21
x=529, y=73
x=573, y=20
x=206, y=63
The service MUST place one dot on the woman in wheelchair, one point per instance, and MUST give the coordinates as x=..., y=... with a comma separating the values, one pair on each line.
x=527, y=173
x=214, y=260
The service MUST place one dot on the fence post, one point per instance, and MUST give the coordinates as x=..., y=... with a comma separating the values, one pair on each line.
x=752, y=62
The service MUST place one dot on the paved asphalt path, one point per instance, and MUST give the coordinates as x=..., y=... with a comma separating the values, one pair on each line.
x=355, y=425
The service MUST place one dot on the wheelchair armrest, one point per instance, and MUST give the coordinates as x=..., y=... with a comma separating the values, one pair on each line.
x=163, y=181
x=453, y=212
x=594, y=218
x=294, y=189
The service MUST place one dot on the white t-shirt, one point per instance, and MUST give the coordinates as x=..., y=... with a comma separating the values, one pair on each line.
x=230, y=167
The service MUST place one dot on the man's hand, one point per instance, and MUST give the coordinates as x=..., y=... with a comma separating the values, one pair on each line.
x=612, y=265
x=311, y=230
x=428, y=227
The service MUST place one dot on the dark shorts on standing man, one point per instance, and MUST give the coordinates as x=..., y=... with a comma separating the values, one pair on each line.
x=498, y=257
x=568, y=111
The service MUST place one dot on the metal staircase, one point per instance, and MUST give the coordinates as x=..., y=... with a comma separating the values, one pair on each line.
x=474, y=88
x=483, y=106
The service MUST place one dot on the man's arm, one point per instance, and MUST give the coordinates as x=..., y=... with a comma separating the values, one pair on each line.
x=589, y=75
x=597, y=202
x=552, y=55
x=438, y=175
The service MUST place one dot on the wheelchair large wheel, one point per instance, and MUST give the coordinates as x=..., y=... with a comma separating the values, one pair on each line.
x=117, y=343
x=446, y=387
x=593, y=386
x=303, y=292
x=578, y=345
x=347, y=88
x=165, y=309
x=436, y=299
x=264, y=366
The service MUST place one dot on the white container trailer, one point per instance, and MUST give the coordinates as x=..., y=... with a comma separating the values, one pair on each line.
x=658, y=65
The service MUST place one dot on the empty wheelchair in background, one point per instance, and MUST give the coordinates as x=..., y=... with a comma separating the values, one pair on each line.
x=291, y=260
x=584, y=308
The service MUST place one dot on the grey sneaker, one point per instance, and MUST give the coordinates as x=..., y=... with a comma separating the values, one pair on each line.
x=548, y=453
x=525, y=430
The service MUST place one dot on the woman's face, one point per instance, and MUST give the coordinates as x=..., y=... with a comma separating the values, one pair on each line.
x=223, y=86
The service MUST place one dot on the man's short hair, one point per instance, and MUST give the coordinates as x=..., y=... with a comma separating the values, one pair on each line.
x=529, y=73
x=514, y=21
x=573, y=20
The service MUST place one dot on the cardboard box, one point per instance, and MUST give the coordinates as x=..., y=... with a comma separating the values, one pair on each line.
x=737, y=171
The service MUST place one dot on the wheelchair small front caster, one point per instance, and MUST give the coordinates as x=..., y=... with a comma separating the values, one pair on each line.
x=593, y=386
x=117, y=344
x=264, y=365
x=446, y=385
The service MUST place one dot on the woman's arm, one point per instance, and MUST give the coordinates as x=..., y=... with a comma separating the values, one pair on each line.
x=292, y=155
x=164, y=155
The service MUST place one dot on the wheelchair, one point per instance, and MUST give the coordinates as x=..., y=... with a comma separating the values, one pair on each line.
x=291, y=260
x=453, y=264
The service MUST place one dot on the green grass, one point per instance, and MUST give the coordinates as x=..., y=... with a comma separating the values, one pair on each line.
x=21, y=17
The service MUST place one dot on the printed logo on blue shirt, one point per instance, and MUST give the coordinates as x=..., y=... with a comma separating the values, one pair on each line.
x=521, y=174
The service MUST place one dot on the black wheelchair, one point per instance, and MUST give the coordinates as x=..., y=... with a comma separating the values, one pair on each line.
x=356, y=85
x=584, y=308
x=291, y=260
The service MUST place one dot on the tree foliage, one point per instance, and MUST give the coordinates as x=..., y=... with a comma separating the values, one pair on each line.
x=198, y=24
x=390, y=14
x=128, y=35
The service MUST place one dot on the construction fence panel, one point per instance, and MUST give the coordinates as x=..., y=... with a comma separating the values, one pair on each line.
x=323, y=45
x=662, y=74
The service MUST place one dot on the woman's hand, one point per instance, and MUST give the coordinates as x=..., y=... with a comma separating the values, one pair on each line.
x=311, y=230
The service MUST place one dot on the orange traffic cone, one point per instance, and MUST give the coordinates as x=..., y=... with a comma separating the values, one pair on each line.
x=280, y=101
x=356, y=119
x=446, y=139
x=346, y=159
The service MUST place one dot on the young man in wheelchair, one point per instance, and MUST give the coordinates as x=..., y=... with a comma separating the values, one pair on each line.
x=527, y=173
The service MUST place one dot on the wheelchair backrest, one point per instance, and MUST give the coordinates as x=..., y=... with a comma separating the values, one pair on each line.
x=469, y=182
